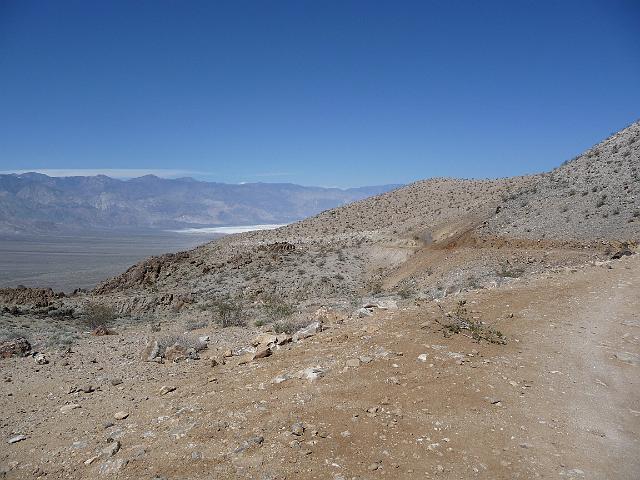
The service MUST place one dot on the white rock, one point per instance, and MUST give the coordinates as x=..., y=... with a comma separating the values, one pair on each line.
x=41, y=359
x=422, y=357
x=307, y=331
x=313, y=373
x=280, y=379
x=68, y=408
x=17, y=438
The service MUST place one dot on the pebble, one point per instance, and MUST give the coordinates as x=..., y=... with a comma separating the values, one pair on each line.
x=121, y=415
x=353, y=363
x=111, y=449
x=17, y=438
x=68, y=408
x=166, y=389
x=297, y=428
x=422, y=357
x=41, y=359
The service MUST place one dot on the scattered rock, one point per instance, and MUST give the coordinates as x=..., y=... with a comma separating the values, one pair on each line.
x=116, y=381
x=365, y=359
x=422, y=357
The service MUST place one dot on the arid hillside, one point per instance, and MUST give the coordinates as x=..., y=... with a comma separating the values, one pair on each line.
x=402, y=240
x=595, y=196
x=449, y=329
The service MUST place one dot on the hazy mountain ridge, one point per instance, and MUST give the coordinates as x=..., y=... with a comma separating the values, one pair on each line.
x=35, y=202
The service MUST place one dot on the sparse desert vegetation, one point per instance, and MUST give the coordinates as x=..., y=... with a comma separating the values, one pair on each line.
x=420, y=330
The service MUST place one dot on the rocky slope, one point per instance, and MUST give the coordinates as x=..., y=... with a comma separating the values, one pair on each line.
x=401, y=241
x=595, y=196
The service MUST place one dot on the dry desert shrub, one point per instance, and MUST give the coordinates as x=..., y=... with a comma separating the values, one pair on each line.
x=98, y=315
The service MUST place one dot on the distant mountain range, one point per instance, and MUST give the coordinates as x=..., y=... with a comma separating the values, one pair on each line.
x=37, y=203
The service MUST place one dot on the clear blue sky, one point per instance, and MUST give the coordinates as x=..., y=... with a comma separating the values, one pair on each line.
x=315, y=92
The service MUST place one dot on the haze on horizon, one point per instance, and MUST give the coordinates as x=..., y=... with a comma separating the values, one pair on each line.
x=333, y=93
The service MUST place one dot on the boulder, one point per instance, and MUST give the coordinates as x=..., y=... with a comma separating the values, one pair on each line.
x=246, y=358
x=175, y=353
x=262, y=351
x=264, y=338
x=16, y=347
x=283, y=338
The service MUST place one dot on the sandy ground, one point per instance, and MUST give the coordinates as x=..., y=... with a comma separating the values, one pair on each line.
x=560, y=400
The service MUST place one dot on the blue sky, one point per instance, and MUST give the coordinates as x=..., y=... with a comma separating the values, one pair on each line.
x=335, y=93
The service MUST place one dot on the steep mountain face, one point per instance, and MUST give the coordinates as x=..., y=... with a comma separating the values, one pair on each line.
x=34, y=202
x=431, y=238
